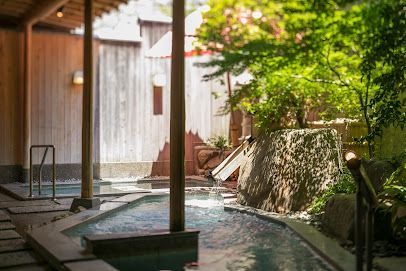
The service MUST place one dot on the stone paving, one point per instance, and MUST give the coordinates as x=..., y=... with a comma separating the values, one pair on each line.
x=16, y=217
x=15, y=254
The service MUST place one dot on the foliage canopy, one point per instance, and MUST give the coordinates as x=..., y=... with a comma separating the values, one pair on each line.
x=333, y=57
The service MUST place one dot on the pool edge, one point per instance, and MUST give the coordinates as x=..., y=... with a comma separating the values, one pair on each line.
x=60, y=249
x=51, y=251
x=329, y=250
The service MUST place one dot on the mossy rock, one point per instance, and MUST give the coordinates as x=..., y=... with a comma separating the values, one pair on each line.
x=286, y=170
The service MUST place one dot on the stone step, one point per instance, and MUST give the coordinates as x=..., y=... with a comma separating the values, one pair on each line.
x=4, y=197
x=19, y=258
x=9, y=234
x=228, y=195
x=21, y=203
x=13, y=245
x=89, y=266
x=4, y=216
x=7, y=226
x=38, y=209
x=230, y=201
x=29, y=267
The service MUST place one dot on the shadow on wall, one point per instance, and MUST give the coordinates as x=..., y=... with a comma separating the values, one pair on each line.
x=160, y=167
x=285, y=170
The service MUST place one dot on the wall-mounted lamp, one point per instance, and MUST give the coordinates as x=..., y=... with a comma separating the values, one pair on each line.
x=59, y=12
x=77, y=78
x=159, y=80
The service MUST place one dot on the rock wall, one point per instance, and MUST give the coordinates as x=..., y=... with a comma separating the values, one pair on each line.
x=285, y=170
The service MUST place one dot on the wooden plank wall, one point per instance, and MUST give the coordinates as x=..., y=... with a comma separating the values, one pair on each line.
x=56, y=102
x=129, y=131
x=10, y=97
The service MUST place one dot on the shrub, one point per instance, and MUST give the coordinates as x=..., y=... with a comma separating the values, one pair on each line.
x=219, y=142
x=394, y=196
x=345, y=185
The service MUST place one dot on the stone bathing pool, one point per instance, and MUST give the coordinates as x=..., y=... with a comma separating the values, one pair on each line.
x=101, y=187
x=228, y=240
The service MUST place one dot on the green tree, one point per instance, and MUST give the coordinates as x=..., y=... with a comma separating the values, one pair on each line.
x=284, y=46
x=384, y=63
x=310, y=54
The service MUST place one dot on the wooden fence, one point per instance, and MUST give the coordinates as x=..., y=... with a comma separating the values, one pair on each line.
x=348, y=131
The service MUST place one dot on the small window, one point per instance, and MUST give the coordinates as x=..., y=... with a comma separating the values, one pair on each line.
x=157, y=100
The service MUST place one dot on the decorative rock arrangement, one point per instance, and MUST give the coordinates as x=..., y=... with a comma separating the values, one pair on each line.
x=285, y=170
x=339, y=215
x=206, y=158
x=338, y=219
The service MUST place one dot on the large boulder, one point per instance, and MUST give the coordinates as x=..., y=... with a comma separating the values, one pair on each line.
x=286, y=170
x=378, y=171
x=339, y=219
x=339, y=216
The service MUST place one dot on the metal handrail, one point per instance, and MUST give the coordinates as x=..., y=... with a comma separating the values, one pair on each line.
x=40, y=170
x=366, y=202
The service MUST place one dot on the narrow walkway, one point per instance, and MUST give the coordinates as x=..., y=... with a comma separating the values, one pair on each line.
x=16, y=217
x=14, y=252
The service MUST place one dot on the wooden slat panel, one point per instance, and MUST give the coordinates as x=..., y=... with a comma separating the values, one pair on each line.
x=129, y=130
x=9, y=98
x=56, y=101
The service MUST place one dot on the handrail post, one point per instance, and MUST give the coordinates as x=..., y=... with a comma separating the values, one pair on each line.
x=40, y=170
x=31, y=174
x=369, y=236
x=53, y=174
x=359, y=235
x=366, y=202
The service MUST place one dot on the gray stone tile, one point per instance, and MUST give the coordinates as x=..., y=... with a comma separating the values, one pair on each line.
x=110, y=205
x=65, y=223
x=92, y=265
x=9, y=234
x=12, y=245
x=6, y=225
x=323, y=244
x=129, y=197
x=104, y=199
x=12, y=259
x=4, y=197
x=4, y=216
x=56, y=247
x=38, y=209
x=30, y=267
x=64, y=201
x=21, y=203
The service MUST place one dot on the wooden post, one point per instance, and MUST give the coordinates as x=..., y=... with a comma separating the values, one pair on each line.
x=27, y=99
x=233, y=125
x=177, y=125
x=87, y=114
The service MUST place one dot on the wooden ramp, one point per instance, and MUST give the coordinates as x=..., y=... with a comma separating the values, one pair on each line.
x=231, y=163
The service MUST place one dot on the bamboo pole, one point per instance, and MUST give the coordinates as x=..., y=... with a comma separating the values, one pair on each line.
x=177, y=125
x=87, y=113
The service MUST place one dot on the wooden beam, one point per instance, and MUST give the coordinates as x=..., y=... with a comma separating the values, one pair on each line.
x=87, y=114
x=27, y=99
x=177, y=125
x=42, y=10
